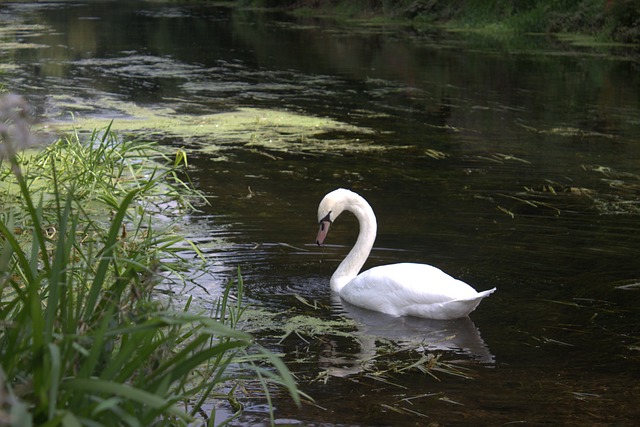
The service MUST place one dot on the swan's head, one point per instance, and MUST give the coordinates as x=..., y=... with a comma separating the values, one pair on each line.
x=331, y=206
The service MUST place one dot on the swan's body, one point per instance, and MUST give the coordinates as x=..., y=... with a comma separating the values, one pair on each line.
x=404, y=289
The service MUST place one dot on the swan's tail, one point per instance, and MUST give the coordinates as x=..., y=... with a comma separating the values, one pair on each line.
x=448, y=310
x=485, y=294
x=463, y=307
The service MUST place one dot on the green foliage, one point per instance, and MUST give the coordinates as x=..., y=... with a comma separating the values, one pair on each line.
x=85, y=235
x=617, y=20
x=623, y=20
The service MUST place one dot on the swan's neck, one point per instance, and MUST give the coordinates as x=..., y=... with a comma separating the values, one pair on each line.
x=351, y=265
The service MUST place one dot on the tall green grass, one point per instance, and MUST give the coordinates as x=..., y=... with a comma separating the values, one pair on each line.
x=86, y=233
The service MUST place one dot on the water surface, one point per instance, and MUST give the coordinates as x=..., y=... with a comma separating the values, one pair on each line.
x=512, y=164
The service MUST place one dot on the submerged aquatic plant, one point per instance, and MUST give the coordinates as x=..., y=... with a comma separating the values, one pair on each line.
x=86, y=233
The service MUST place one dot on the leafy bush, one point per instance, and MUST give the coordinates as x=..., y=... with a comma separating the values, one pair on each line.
x=85, y=236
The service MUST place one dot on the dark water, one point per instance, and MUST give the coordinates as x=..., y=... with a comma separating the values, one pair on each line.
x=513, y=164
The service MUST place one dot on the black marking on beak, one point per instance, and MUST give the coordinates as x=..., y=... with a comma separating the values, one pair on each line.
x=327, y=218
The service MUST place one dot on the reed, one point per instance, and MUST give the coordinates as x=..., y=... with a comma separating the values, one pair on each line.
x=87, y=232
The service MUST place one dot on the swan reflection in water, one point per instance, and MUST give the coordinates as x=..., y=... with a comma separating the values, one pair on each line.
x=396, y=302
x=458, y=337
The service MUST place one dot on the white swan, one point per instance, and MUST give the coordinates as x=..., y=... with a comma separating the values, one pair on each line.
x=404, y=289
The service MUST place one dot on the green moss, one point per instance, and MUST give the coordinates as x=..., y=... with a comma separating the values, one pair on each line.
x=255, y=128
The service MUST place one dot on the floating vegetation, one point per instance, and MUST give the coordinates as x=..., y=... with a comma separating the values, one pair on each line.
x=20, y=45
x=618, y=196
x=306, y=328
x=506, y=211
x=536, y=198
x=630, y=287
x=17, y=30
x=427, y=363
x=140, y=66
x=568, y=131
x=501, y=158
x=12, y=35
x=391, y=360
x=571, y=131
x=252, y=128
x=313, y=327
x=338, y=349
x=435, y=154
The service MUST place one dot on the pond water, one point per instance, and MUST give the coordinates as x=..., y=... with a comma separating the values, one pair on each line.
x=513, y=164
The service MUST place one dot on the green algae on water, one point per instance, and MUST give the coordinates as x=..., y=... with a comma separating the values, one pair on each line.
x=254, y=128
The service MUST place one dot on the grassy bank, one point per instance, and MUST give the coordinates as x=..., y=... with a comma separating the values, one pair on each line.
x=87, y=232
x=614, y=20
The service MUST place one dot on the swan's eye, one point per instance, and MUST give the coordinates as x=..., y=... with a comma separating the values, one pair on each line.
x=327, y=219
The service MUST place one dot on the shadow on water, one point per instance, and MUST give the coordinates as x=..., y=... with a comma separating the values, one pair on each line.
x=453, y=336
x=509, y=164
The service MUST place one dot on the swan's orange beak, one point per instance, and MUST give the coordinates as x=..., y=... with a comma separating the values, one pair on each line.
x=322, y=233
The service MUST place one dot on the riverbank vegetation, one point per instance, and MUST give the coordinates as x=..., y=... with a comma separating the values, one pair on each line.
x=612, y=20
x=87, y=235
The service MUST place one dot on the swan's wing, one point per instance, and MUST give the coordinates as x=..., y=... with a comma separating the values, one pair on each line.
x=412, y=289
x=419, y=282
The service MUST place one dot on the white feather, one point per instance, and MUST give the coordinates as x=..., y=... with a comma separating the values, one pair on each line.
x=404, y=289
